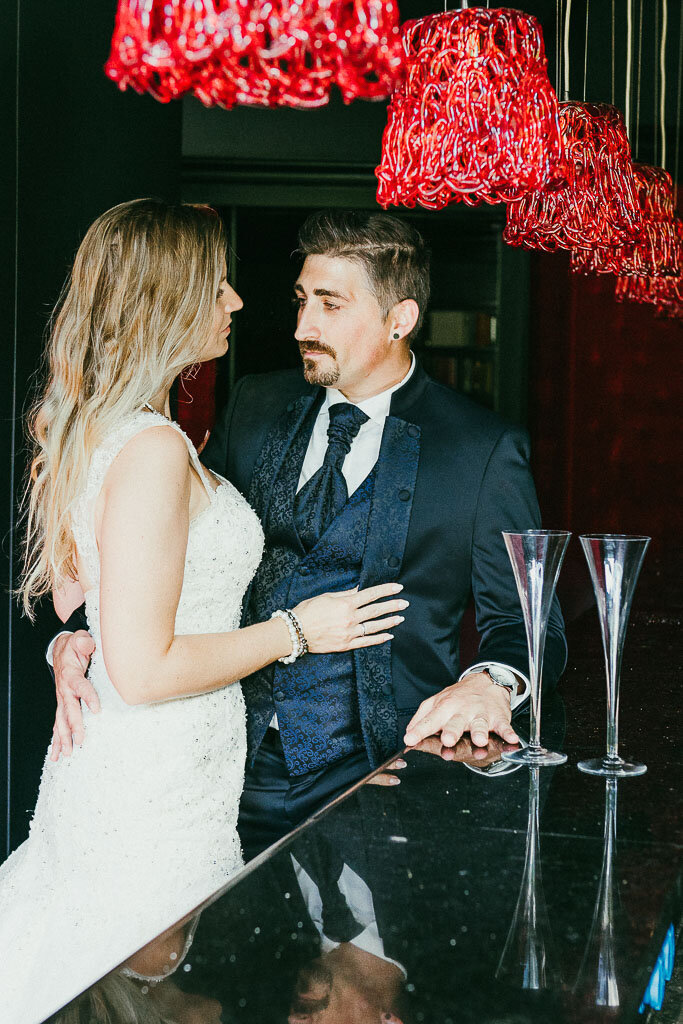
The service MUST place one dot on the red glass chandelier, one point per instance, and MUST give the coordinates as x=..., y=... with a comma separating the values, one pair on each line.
x=475, y=116
x=664, y=290
x=654, y=251
x=597, y=204
x=262, y=52
x=367, y=48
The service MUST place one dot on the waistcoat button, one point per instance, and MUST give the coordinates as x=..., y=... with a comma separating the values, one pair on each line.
x=404, y=495
x=413, y=431
x=393, y=561
x=279, y=695
x=304, y=570
x=387, y=688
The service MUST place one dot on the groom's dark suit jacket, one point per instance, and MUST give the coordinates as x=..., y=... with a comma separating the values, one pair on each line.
x=450, y=477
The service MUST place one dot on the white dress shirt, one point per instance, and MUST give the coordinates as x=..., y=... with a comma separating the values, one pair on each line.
x=365, y=445
x=359, y=900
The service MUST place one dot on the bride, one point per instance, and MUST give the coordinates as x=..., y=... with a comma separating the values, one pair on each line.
x=139, y=826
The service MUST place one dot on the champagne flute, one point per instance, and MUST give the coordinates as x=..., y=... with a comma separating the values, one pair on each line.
x=536, y=557
x=614, y=561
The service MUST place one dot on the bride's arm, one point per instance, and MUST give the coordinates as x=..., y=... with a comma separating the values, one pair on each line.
x=142, y=537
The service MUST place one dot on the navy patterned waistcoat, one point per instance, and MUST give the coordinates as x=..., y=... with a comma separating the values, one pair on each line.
x=315, y=699
x=272, y=489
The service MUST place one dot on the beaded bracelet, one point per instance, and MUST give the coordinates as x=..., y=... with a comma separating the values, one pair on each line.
x=296, y=621
x=296, y=635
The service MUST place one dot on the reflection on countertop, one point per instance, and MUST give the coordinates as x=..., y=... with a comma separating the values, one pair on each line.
x=538, y=895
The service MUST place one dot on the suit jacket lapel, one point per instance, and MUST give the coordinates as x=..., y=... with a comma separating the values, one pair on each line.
x=386, y=540
x=392, y=501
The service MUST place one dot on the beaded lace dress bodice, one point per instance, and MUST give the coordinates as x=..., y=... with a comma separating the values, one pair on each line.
x=139, y=824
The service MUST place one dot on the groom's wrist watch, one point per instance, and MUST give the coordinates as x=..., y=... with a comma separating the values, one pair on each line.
x=502, y=677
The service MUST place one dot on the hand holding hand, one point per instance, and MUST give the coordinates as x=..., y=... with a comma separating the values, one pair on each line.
x=348, y=619
x=475, y=705
x=71, y=657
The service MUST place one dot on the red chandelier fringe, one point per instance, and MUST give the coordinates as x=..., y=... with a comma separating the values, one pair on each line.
x=654, y=251
x=598, y=204
x=258, y=52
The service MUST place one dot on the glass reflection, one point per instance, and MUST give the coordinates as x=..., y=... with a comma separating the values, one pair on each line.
x=527, y=960
x=600, y=981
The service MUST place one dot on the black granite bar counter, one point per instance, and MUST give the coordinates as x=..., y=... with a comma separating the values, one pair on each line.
x=466, y=896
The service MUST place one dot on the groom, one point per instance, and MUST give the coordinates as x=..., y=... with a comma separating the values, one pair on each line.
x=364, y=470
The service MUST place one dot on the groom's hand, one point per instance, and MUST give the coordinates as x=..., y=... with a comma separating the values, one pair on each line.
x=465, y=751
x=474, y=705
x=70, y=657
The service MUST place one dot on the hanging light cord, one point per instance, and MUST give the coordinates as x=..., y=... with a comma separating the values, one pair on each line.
x=655, y=87
x=662, y=77
x=585, y=51
x=629, y=65
x=557, y=47
x=567, y=18
x=678, y=110
x=640, y=52
x=613, y=49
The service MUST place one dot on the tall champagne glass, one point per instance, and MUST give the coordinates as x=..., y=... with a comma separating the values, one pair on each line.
x=536, y=557
x=614, y=561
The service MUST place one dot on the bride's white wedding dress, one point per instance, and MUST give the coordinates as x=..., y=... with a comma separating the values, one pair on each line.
x=139, y=824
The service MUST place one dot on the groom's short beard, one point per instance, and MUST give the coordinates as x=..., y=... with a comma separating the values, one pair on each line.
x=316, y=374
x=312, y=990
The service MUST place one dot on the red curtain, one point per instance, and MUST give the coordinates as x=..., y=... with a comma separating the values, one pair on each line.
x=197, y=402
x=606, y=393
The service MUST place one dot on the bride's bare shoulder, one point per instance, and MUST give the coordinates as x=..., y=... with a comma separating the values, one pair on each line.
x=156, y=455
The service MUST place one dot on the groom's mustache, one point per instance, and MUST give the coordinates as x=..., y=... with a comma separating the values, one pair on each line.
x=316, y=346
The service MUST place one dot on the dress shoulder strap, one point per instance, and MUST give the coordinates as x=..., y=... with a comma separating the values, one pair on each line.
x=194, y=455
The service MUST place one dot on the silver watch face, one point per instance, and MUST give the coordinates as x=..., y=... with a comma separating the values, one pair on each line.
x=499, y=678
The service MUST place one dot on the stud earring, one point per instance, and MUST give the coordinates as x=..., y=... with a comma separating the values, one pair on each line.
x=396, y=335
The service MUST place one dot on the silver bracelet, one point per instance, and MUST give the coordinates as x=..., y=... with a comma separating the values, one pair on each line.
x=296, y=635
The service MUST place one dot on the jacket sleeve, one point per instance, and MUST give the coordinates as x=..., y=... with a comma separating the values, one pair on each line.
x=507, y=501
x=77, y=620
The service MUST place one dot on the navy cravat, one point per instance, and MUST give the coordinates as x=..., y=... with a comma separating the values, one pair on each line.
x=325, y=494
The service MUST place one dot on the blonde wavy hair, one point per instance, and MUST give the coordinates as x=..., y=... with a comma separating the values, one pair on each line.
x=115, y=1000
x=137, y=310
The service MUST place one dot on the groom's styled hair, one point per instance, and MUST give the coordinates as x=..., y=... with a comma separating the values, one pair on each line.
x=394, y=255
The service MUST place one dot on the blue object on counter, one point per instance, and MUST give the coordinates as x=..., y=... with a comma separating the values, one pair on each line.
x=654, y=993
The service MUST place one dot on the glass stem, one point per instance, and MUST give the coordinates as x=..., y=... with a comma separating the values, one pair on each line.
x=535, y=667
x=613, y=660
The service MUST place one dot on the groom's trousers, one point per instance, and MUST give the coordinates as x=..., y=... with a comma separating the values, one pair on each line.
x=273, y=802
